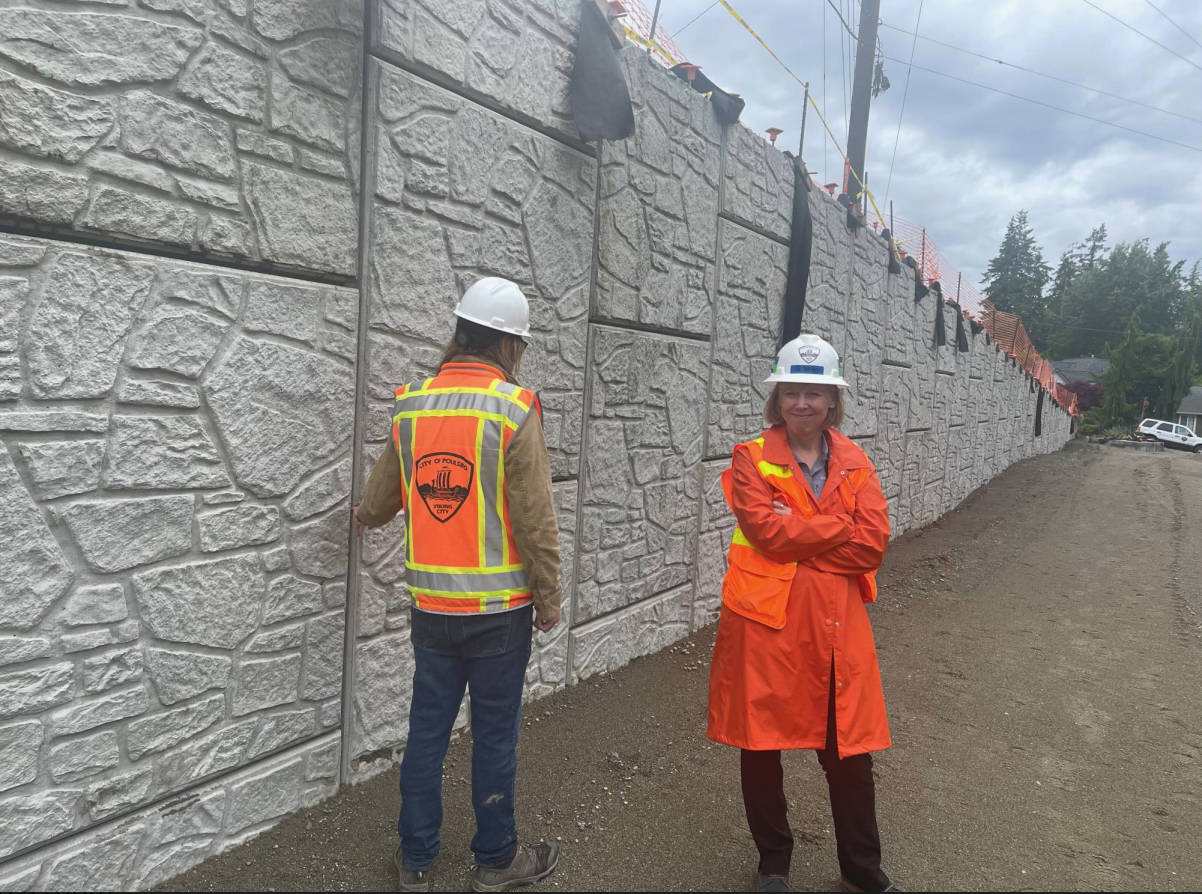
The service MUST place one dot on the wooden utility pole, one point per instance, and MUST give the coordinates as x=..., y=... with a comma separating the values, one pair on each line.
x=861, y=93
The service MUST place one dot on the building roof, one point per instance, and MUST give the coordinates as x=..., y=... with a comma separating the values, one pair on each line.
x=1192, y=402
x=1082, y=369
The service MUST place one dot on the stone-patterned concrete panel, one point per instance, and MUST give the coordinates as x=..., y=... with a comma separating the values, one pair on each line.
x=746, y=332
x=832, y=282
x=548, y=670
x=140, y=852
x=659, y=205
x=615, y=640
x=520, y=55
x=165, y=612
x=198, y=126
x=860, y=349
x=473, y=194
x=641, y=479
x=758, y=184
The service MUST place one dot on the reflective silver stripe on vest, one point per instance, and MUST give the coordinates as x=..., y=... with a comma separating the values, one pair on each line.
x=451, y=582
x=421, y=401
x=492, y=461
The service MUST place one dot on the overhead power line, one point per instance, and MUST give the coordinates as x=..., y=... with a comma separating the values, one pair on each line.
x=905, y=93
x=1048, y=105
x=695, y=18
x=1141, y=34
x=1171, y=22
x=846, y=27
x=952, y=46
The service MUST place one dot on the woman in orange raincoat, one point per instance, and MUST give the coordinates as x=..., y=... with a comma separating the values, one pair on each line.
x=794, y=663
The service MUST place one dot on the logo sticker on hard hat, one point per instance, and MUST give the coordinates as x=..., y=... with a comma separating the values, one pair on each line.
x=444, y=481
x=808, y=353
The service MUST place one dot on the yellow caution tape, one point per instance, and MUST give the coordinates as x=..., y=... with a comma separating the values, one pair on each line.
x=649, y=43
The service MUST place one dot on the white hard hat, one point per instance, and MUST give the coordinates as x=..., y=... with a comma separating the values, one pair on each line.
x=496, y=304
x=807, y=359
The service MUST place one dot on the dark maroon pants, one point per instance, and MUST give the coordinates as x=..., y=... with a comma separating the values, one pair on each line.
x=853, y=807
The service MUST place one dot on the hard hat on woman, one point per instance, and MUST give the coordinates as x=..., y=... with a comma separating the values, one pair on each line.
x=807, y=359
x=496, y=303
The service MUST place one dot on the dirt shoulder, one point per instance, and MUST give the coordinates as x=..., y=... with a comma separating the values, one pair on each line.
x=1041, y=649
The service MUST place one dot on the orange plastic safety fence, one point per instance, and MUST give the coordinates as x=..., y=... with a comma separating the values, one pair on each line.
x=1009, y=334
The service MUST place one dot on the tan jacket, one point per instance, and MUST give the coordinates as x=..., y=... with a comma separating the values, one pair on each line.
x=527, y=488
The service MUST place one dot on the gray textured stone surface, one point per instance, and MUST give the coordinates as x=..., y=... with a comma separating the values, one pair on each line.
x=641, y=474
x=178, y=674
x=161, y=452
x=519, y=55
x=158, y=114
x=33, y=571
x=244, y=525
x=79, y=325
x=759, y=182
x=83, y=757
x=207, y=603
x=293, y=390
x=659, y=204
x=121, y=534
x=88, y=713
x=745, y=335
x=19, y=746
x=59, y=468
x=99, y=604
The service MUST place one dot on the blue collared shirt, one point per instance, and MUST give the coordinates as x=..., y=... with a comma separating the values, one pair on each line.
x=816, y=476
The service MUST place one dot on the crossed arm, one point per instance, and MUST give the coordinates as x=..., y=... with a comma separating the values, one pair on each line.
x=838, y=543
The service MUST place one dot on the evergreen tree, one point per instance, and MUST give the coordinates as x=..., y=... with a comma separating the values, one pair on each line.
x=1016, y=277
x=1093, y=250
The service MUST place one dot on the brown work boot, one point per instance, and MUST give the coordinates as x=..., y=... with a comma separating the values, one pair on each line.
x=410, y=880
x=531, y=863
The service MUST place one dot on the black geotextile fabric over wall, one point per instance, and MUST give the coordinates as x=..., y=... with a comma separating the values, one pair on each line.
x=600, y=98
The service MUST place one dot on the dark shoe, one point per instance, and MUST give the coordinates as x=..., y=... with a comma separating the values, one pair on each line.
x=845, y=885
x=410, y=879
x=531, y=863
x=772, y=882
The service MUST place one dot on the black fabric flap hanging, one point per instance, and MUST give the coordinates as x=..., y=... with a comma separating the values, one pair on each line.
x=727, y=106
x=940, y=326
x=920, y=289
x=961, y=335
x=894, y=263
x=601, y=105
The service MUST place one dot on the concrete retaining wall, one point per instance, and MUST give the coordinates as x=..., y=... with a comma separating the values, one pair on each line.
x=231, y=227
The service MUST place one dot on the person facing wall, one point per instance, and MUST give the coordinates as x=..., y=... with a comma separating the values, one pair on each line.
x=794, y=662
x=468, y=463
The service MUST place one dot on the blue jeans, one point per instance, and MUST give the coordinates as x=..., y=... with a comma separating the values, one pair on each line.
x=488, y=654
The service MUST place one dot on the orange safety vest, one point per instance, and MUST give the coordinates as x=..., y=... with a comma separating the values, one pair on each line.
x=756, y=586
x=451, y=433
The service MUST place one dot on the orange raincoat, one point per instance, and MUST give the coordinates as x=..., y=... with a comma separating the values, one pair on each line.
x=769, y=688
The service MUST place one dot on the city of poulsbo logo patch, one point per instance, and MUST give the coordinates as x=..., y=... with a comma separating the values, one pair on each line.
x=807, y=353
x=444, y=481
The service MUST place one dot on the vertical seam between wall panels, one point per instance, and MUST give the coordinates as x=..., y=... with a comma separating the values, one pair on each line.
x=586, y=403
x=709, y=372
x=367, y=133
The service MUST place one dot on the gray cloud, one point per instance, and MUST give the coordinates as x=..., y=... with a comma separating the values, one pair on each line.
x=967, y=159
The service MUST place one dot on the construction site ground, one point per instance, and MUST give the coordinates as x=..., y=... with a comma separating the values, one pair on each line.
x=1041, y=649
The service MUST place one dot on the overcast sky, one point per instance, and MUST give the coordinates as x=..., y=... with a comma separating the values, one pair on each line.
x=967, y=159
